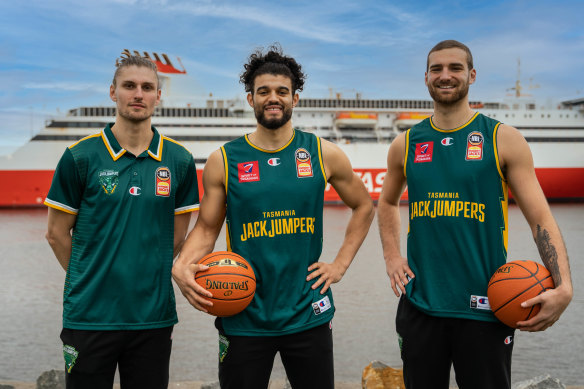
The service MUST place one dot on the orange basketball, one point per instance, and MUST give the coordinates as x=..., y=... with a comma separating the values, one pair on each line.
x=514, y=283
x=230, y=279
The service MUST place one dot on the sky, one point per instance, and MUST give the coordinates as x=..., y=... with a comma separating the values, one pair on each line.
x=60, y=54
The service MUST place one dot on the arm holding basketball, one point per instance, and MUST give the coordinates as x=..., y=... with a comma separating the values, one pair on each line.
x=58, y=234
x=388, y=217
x=517, y=163
x=201, y=240
x=353, y=193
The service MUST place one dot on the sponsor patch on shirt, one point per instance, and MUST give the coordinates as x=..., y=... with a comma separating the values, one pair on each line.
x=479, y=302
x=424, y=152
x=163, y=182
x=474, y=146
x=274, y=161
x=303, y=164
x=248, y=171
x=321, y=305
x=135, y=191
x=448, y=141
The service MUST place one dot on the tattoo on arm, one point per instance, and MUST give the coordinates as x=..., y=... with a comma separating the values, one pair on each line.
x=548, y=254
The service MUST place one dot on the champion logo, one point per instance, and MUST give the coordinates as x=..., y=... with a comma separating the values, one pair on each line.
x=135, y=191
x=447, y=141
x=509, y=340
x=274, y=161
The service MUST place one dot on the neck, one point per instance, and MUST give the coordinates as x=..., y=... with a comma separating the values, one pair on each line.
x=271, y=139
x=133, y=136
x=448, y=117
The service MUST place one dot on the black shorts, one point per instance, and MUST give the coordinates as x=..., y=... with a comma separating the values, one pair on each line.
x=480, y=351
x=245, y=362
x=142, y=356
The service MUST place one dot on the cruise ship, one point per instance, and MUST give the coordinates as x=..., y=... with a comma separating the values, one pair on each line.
x=362, y=128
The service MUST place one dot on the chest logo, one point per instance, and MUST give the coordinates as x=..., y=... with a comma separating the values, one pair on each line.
x=163, y=182
x=274, y=161
x=108, y=179
x=135, y=191
x=248, y=171
x=474, y=146
x=424, y=152
x=303, y=163
x=447, y=141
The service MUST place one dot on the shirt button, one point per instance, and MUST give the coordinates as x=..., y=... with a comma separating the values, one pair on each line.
x=135, y=173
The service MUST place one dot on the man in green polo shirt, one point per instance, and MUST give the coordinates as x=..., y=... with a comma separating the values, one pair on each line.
x=119, y=208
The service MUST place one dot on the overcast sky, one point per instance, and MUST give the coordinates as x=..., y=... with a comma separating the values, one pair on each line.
x=60, y=54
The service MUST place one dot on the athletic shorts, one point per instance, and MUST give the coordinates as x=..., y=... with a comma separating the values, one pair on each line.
x=142, y=356
x=480, y=351
x=245, y=362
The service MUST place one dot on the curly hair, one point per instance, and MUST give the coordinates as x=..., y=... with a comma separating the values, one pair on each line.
x=134, y=60
x=451, y=44
x=273, y=62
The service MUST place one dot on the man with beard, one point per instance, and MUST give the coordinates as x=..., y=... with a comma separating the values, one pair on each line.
x=458, y=165
x=269, y=187
x=119, y=209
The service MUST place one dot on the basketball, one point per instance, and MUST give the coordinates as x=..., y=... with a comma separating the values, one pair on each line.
x=230, y=279
x=514, y=283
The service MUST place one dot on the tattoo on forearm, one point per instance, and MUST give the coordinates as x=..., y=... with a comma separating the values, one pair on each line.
x=548, y=254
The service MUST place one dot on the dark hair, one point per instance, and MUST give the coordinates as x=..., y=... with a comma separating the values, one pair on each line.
x=451, y=44
x=135, y=60
x=273, y=62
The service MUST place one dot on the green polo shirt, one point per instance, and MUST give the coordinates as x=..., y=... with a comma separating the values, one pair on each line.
x=119, y=274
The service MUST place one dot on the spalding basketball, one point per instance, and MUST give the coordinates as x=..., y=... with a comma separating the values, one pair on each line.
x=230, y=279
x=514, y=283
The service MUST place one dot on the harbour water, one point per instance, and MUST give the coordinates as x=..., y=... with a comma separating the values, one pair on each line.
x=31, y=284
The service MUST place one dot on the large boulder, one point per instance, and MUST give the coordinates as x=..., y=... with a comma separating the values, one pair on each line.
x=377, y=375
x=52, y=379
x=540, y=382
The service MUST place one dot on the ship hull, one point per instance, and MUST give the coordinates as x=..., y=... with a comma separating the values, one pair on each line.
x=29, y=188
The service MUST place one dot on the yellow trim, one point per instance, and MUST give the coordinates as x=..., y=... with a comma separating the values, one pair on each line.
x=82, y=139
x=114, y=156
x=504, y=209
x=59, y=208
x=496, y=151
x=454, y=129
x=407, y=150
x=193, y=209
x=158, y=155
x=270, y=151
x=225, y=167
x=321, y=159
x=227, y=236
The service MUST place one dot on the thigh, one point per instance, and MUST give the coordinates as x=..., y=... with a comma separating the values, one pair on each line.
x=145, y=359
x=90, y=358
x=424, y=346
x=482, y=355
x=245, y=362
x=308, y=358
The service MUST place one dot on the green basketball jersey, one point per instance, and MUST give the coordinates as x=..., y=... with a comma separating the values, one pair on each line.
x=274, y=221
x=457, y=217
x=119, y=273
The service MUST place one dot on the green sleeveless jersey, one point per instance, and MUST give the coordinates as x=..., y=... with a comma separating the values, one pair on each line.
x=274, y=221
x=457, y=217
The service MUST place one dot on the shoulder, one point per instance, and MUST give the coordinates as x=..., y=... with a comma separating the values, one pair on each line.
x=87, y=143
x=511, y=145
x=174, y=145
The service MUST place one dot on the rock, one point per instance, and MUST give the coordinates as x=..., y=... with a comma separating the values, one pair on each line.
x=377, y=375
x=540, y=382
x=52, y=379
x=211, y=385
x=6, y=387
x=287, y=384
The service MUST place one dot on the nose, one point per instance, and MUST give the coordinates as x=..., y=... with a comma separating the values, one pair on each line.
x=138, y=93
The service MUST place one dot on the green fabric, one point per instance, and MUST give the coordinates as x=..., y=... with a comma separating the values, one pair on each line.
x=119, y=274
x=274, y=219
x=457, y=217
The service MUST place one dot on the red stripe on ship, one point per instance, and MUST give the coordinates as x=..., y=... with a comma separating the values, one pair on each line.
x=26, y=188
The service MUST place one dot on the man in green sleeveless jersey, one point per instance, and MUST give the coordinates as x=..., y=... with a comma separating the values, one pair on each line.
x=119, y=209
x=458, y=165
x=269, y=187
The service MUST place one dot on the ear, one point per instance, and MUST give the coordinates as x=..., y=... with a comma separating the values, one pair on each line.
x=113, y=93
x=158, y=96
x=295, y=99
x=472, y=76
x=426, y=78
x=250, y=99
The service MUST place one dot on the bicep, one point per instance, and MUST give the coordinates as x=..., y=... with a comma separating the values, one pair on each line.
x=394, y=182
x=212, y=210
x=59, y=222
